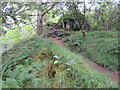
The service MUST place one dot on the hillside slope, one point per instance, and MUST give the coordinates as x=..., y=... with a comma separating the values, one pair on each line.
x=100, y=46
x=40, y=63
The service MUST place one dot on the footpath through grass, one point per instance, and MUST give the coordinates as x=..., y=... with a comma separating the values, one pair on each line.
x=100, y=46
x=40, y=63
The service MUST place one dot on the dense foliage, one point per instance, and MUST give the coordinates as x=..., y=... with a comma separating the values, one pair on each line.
x=100, y=46
x=105, y=17
x=37, y=63
x=30, y=60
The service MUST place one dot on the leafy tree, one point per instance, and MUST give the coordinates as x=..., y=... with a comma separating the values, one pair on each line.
x=104, y=16
x=14, y=13
x=41, y=14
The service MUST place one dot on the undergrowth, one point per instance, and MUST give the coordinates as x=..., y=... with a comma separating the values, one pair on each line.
x=40, y=63
x=100, y=46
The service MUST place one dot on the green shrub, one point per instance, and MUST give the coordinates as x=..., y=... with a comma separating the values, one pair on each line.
x=29, y=31
x=95, y=25
x=13, y=34
x=28, y=27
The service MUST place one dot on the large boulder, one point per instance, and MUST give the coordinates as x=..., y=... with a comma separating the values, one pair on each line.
x=74, y=22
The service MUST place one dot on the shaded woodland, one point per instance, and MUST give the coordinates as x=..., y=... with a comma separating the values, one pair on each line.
x=60, y=44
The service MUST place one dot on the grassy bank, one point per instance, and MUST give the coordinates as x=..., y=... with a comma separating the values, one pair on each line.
x=100, y=46
x=40, y=63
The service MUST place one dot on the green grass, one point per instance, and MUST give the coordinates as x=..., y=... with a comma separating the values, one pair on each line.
x=100, y=46
x=24, y=67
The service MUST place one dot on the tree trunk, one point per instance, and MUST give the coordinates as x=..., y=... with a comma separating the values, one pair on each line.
x=39, y=18
x=83, y=29
x=39, y=22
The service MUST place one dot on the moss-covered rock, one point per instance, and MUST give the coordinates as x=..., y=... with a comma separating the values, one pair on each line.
x=74, y=22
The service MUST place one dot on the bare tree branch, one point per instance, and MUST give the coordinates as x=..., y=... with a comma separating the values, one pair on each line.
x=32, y=15
x=48, y=9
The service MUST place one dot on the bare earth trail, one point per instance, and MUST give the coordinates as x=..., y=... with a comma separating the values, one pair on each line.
x=114, y=75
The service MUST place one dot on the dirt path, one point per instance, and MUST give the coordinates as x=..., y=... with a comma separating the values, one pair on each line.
x=113, y=75
x=59, y=42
